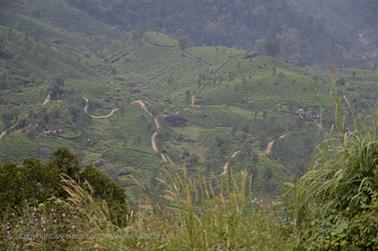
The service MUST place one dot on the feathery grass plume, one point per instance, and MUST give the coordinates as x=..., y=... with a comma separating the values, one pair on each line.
x=196, y=213
x=218, y=215
x=93, y=214
x=334, y=205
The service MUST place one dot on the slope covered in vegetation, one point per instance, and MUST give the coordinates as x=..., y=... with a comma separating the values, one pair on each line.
x=201, y=111
x=342, y=32
x=66, y=86
x=332, y=207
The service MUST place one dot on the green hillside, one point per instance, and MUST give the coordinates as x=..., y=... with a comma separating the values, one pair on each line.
x=77, y=85
x=215, y=134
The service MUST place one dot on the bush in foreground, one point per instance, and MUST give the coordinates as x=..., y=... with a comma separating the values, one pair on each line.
x=34, y=201
x=334, y=205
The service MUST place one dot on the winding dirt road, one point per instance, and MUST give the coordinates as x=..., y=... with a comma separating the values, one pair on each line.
x=194, y=101
x=142, y=104
x=5, y=132
x=155, y=134
x=154, y=144
x=2, y=135
x=233, y=156
x=269, y=148
x=111, y=113
x=226, y=167
x=47, y=100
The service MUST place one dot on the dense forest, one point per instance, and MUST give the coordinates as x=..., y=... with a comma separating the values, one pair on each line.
x=305, y=31
x=322, y=32
x=188, y=125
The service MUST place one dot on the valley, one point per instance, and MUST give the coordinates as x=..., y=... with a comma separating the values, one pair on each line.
x=200, y=103
x=188, y=125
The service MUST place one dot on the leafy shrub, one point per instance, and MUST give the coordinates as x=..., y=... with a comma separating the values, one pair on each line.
x=106, y=189
x=31, y=183
x=196, y=213
x=334, y=206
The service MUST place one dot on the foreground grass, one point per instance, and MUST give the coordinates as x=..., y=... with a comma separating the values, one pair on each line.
x=194, y=213
x=334, y=205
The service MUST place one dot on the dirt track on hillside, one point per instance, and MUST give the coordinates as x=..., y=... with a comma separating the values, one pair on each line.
x=154, y=144
x=226, y=167
x=47, y=100
x=155, y=134
x=111, y=113
x=2, y=135
x=194, y=101
x=269, y=148
x=5, y=132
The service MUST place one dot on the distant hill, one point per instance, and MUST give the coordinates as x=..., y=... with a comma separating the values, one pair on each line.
x=311, y=32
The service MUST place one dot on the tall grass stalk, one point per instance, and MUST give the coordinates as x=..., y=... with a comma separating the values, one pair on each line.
x=195, y=213
x=340, y=186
